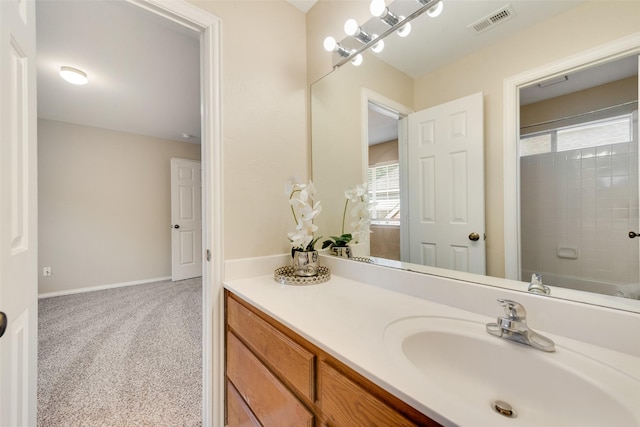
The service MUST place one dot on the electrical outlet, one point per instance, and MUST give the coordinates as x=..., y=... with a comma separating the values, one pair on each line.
x=46, y=271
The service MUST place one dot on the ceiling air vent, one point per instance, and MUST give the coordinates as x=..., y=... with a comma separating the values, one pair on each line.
x=490, y=21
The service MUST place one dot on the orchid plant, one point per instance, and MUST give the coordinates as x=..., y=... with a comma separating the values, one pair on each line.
x=304, y=210
x=360, y=214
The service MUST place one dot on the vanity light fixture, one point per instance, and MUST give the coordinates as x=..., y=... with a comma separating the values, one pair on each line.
x=433, y=11
x=357, y=60
x=351, y=28
x=73, y=75
x=378, y=47
x=331, y=45
x=379, y=9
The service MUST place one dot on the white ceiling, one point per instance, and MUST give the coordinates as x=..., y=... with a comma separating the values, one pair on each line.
x=143, y=71
x=582, y=79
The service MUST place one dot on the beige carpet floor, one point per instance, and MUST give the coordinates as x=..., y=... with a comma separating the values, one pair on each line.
x=129, y=356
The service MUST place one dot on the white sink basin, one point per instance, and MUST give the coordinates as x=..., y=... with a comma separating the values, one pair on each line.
x=459, y=359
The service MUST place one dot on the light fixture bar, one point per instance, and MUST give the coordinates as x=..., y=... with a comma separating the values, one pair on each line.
x=390, y=30
x=389, y=17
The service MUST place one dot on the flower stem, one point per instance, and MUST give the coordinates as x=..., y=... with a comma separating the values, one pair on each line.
x=344, y=214
x=293, y=211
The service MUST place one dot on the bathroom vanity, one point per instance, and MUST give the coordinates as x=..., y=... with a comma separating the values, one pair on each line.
x=276, y=377
x=381, y=347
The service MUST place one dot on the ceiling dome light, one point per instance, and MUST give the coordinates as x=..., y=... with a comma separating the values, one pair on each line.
x=73, y=75
x=436, y=10
x=405, y=29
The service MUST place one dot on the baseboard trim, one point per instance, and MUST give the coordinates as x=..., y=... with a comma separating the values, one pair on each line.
x=101, y=287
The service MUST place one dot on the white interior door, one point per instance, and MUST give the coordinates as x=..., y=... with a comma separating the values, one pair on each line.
x=186, y=219
x=446, y=185
x=18, y=213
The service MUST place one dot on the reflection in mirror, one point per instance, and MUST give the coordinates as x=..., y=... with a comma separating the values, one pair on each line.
x=383, y=178
x=579, y=179
x=341, y=155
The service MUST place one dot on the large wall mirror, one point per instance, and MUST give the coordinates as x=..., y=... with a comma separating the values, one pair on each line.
x=559, y=199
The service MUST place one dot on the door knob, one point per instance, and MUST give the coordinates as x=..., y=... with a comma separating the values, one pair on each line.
x=3, y=323
x=633, y=234
x=176, y=226
x=474, y=236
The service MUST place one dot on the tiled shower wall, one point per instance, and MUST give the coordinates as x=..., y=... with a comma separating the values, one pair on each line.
x=582, y=203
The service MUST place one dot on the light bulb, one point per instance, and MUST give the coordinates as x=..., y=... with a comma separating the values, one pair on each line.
x=330, y=44
x=73, y=75
x=378, y=47
x=351, y=27
x=357, y=60
x=377, y=7
x=405, y=29
x=435, y=11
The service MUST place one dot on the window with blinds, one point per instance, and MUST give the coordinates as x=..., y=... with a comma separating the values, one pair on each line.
x=384, y=194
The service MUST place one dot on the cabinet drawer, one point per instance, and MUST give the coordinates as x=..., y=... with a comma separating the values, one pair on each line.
x=238, y=413
x=291, y=361
x=271, y=402
x=345, y=404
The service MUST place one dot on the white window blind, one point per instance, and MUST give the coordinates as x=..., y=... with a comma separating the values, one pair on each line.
x=384, y=194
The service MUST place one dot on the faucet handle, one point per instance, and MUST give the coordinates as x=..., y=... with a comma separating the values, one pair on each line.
x=512, y=309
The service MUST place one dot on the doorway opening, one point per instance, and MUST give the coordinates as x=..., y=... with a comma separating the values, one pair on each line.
x=565, y=252
x=207, y=28
x=578, y=179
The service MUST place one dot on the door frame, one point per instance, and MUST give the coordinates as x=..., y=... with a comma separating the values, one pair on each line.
x=209, y=27
x=625, y=46
x=402, y=111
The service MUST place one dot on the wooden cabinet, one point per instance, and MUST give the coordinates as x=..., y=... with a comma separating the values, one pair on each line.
x=277, y=378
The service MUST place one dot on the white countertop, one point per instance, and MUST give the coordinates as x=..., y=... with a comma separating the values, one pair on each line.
x=347, y=319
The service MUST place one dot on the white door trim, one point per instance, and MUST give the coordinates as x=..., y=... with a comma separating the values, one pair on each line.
x=403, y=111
x=211, y=156
x=616, y=49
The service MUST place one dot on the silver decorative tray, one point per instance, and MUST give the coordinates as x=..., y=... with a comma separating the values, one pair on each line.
x=285, y=276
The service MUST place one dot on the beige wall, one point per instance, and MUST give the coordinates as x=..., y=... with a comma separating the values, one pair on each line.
x=264, y=120
x=585, y=26
x=103, y=205
x=383, y=152
x=585, y=101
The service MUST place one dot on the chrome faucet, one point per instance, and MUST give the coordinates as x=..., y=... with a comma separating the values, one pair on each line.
x=513, y=327
x=536, y=286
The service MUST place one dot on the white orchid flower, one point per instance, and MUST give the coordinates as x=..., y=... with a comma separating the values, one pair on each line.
x=308, y=213
x=304, y=210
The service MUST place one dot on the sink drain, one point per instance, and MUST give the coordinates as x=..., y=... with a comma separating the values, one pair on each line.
x=503, y=408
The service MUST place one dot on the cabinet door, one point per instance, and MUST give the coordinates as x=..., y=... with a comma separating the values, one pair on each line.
x=345, y=404
x=271, y=402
